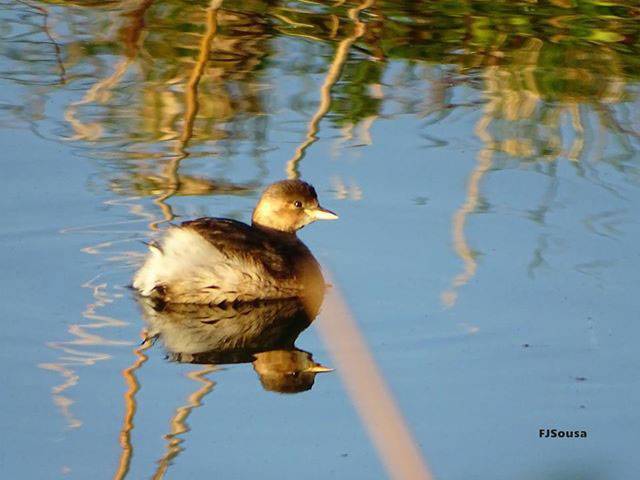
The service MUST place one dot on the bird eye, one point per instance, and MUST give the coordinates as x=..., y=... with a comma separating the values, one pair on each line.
x=298, y=204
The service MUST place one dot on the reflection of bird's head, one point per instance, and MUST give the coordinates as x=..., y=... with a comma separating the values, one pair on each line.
x=287, y=371
x=288, y=206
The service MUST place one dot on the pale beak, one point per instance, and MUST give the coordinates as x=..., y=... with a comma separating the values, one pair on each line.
x=320, y=213
x=317, y=368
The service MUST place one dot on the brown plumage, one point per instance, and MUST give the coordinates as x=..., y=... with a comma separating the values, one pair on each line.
x=218, y=260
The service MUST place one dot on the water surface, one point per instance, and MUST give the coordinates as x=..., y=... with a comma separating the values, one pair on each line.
x=483, y=157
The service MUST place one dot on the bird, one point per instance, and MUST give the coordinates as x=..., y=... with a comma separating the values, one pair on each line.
x=219, y=260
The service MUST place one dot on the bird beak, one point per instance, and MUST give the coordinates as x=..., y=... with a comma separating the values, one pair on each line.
x=317, y=368
x=320, y=213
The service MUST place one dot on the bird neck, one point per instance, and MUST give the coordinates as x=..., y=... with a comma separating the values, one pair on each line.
x=273, y=229
x=266, y=217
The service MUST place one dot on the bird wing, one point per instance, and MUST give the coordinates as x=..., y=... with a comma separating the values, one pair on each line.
x=237, y=240
x=211, y=260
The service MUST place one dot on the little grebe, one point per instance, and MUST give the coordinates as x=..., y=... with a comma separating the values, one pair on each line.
x=218, y=260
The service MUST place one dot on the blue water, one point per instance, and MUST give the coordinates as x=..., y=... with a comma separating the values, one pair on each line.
x=487, y=243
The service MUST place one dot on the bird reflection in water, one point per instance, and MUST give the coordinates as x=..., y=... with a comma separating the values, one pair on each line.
x=262, y=333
